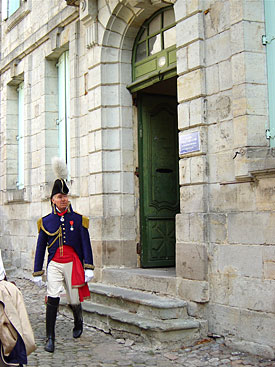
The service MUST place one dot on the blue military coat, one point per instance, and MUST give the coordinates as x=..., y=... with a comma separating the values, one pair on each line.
x=54, y=231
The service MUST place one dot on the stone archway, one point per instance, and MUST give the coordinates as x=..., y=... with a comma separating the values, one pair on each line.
x=116, y=244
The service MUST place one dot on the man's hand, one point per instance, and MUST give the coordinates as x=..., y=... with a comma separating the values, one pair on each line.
x=89, y=274
x=38, y=281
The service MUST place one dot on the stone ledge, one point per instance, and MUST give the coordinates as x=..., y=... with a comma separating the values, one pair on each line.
x=16, y=196
x=254, y=162
x=141, y=322
x=136, y=296
x=143, y=304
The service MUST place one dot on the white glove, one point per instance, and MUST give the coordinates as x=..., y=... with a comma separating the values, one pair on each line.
x=38, y=281
x=89, y=274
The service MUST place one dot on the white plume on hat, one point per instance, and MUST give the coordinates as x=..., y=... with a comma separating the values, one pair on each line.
x=59, y=168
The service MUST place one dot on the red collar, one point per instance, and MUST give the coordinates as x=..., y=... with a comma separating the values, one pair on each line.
x=61, y=214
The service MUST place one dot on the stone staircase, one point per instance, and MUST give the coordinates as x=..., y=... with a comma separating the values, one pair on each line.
x=140, y=315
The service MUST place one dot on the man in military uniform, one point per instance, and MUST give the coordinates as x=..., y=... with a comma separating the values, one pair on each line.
x=70, y=261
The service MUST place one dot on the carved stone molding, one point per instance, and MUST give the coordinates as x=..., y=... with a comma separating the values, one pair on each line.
x=88, y=15
x=143, y=4
x=73, y=2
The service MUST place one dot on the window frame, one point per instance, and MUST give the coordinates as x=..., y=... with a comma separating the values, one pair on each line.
x=158, y=66
x=63, y=122
x=20, y=138
x=7, y=10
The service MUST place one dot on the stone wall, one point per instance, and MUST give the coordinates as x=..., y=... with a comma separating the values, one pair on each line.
x=225, y=235
x=225, y=238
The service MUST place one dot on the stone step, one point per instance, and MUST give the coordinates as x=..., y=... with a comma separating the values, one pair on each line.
x=140, y=316
x=140, y=328
x=138, y=302
x=163, y=280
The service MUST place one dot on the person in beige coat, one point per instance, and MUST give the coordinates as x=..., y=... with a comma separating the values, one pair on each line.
x=16, y=335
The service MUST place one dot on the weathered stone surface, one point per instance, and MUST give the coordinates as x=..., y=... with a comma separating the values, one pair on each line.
x=225, y=231
x=152, y=280
x=189, y=30
x=138, y=302
x=191, y=261
x=191, y=85
x=216, y=48
x=236, y=260
x=193, y=198
x=197, y=291
x=218, y=228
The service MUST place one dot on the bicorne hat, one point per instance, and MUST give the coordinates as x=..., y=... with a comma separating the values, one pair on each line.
x=61, y=173
x=59, y=187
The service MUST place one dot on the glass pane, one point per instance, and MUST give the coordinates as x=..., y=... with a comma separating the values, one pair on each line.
x=169, y=37
x=155, y=24
x=144, y=34
x=20, y=178
x=168, y=18
x=13, y=6
x=154, y=44
x=141, y=51
x=62, y=107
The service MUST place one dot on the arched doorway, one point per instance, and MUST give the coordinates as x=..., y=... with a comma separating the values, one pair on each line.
x=155, y=87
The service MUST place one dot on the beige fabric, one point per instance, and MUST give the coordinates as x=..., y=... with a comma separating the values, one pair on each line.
x=59, y=276
x=14, y=317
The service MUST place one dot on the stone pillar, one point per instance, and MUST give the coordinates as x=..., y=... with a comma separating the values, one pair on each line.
x=192, y=222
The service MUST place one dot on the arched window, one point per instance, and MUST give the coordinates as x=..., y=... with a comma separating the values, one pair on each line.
x=154, y=50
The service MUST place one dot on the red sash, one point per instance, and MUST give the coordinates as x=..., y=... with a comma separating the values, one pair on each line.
x=78, y=276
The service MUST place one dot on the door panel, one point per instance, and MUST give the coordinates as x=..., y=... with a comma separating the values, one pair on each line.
x=159, y=187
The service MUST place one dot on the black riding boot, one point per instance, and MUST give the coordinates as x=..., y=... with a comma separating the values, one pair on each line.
x=52, y=306
x=78, y=320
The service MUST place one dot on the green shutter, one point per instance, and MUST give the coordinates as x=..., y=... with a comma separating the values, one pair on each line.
x=269, y=7
x=20, y=181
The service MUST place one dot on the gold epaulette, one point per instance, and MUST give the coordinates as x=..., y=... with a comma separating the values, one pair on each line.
x=85, y=222
x=39, y=224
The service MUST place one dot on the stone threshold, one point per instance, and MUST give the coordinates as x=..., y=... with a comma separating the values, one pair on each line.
x=158, y=280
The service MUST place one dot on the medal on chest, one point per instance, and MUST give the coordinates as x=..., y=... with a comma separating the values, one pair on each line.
x=62, y=219
x=72, y=225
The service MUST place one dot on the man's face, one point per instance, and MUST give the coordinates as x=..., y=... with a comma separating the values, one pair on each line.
x=61, y=201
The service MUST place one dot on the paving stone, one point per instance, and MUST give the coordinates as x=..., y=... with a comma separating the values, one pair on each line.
x=98, y=349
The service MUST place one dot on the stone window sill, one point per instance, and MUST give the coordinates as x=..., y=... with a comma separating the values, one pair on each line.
x=18, y=16
x=16, y=196
x=254, y=162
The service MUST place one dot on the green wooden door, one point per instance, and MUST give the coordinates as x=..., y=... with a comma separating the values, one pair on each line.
x=159, y=184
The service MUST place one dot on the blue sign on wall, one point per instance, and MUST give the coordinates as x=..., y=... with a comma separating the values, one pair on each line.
x=189, y=143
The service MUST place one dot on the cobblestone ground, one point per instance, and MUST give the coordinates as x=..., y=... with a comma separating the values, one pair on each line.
x=97, y=349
